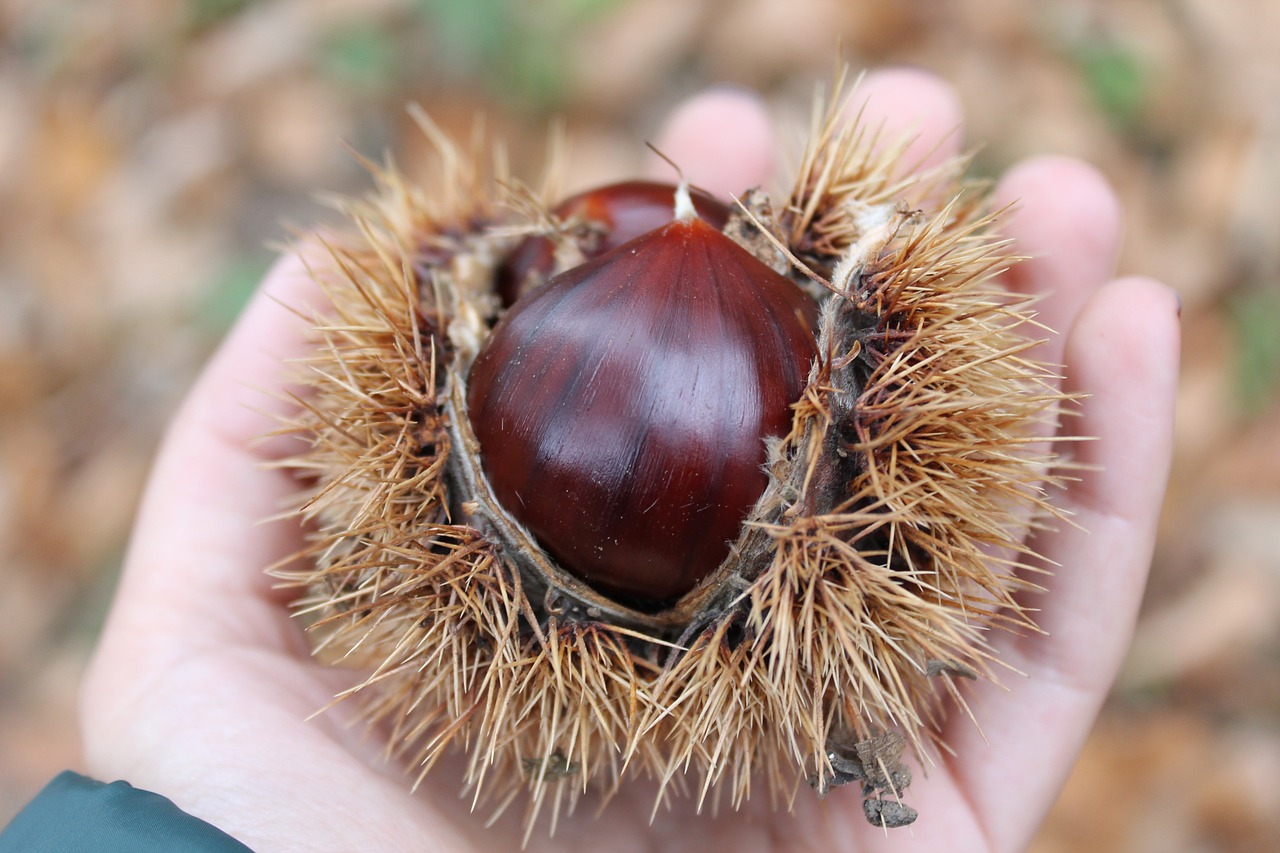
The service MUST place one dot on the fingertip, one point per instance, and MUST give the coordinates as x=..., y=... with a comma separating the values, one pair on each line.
x=1129, y=334
x=1124, y=355
x=1052, y=190
x=1136, y=320
x=1065, y=220
x=243, y=392
x=722, y=140
x=1151, y=291
x=290, y=288
x=913, y=102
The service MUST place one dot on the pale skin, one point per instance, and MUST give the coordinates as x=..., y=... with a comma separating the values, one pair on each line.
x=201, y=688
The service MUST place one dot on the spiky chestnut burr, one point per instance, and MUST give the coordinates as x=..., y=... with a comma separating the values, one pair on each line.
x=861, y=586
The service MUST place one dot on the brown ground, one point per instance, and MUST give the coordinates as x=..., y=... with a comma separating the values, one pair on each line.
x=149, y=148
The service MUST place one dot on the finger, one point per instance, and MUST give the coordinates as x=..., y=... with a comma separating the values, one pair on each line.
x=909, y=103
x=1066, y=220
x=722, y=140
x=249, y=387
x=200, y=544
x=1123, y=352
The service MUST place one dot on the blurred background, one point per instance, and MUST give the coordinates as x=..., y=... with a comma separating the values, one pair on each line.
x=151, y=151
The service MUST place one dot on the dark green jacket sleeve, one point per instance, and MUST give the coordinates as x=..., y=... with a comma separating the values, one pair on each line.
x=75, y=814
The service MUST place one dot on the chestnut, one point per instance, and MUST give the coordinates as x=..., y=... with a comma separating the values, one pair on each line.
x=599, y=220
x=622, y=408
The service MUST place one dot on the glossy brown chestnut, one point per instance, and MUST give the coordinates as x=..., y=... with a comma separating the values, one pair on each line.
x=609, y=216
x=622, y=408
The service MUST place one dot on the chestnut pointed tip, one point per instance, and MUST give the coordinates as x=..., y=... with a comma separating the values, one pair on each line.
x=685, y=211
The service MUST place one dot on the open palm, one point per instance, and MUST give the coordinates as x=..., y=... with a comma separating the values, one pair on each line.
x=202, y=688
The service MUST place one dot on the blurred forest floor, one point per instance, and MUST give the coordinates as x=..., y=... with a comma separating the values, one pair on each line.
x=151, y=150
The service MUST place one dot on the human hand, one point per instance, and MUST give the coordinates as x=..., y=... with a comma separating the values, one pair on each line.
x=202, y=688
